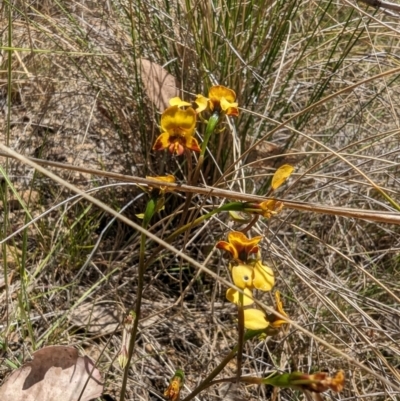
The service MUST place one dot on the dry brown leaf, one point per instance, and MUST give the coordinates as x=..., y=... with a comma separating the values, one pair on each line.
x=56, y=373
x=267, y=154
x=159, y=84
x=101, y=318
x=13, y=254
x=28, y=197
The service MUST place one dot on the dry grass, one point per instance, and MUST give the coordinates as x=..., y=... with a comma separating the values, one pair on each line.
x=76, y=98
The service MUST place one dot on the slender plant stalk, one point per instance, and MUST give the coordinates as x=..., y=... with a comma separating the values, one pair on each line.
x=208, y=380
x=150, y=210
x=4, y=189
x=232, y=206
x=212, y=123
x=241, y=337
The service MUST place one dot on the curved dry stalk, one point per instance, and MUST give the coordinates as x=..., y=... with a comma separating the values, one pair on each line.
x=372, y=215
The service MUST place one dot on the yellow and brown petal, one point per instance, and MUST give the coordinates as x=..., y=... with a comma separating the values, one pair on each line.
x=337, y=383
x=266, y=209
x=320, y=382
x=172, y=393
x=239, y=246
x=275, y=320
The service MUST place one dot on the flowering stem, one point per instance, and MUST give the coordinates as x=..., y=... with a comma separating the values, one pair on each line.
x=148, y=214
x=232, y=206
x=245, y=379
x=189, y=196
x=208, y=380
x=241, y=337
x=212, y=123
x=316, y=383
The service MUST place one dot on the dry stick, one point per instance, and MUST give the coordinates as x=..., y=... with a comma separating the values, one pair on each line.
x=373, y=215
x=382, y=4
x=193, y=262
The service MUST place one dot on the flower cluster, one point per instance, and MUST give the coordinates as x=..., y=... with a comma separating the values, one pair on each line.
x=178, y=122
x=249, y=273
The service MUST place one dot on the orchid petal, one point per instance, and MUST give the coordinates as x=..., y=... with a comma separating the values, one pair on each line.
x=255, y=319
x=242, y=276
x=177, y=101
x=162, y=142
x=232, y=295
x=202, y=103
x=263, y=277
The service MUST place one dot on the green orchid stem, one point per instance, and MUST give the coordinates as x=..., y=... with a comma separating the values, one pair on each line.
x=281, y=380
x=232, y=206
x=251, y=224
x=246, y=379
x=241, y=337
x=148, y=214
x=295, y=380
x=191, y=180
x=212, y=123
x=208, y=381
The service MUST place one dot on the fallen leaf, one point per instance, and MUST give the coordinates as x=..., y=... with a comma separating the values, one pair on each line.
x=55, y=373
x=267, y=154
x=13, y=255
x=159, y=84
x=101, y=318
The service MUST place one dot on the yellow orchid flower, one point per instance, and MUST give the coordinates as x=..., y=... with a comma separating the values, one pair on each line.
x=255, y=319
x=172, y=393
x=270, y=207
x=239, y=246
x=318, y=382
x=232, y=295
x=219, y=99
x=266, y=209
x=177, y=127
